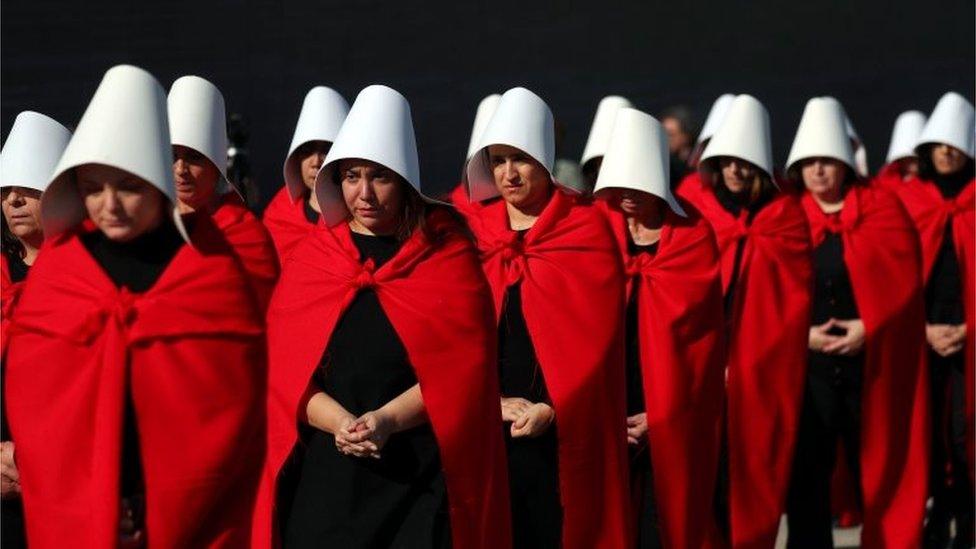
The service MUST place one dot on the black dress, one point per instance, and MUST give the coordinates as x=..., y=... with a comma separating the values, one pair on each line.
x=641, y=474
x=952, y=497
x=343, y=501
x=533, y=463
x=12, y=533
x=831, y=406
x=135, y=265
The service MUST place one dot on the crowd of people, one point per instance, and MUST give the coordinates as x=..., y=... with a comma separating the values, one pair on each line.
x=622, y=360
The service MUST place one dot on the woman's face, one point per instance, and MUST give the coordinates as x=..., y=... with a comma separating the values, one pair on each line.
x=947, y=159
x=120, y=204
x=373, y=195
x=737, y=174
x=22, y=211
x=823, y=177
x=310, y=158
x=633, y=203
x=521, y=180
x=196, y=177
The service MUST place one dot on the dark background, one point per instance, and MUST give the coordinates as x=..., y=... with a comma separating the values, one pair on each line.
x=878, y=58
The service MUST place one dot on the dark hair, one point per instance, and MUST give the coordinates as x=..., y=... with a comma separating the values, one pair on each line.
x=926, y=170
x=12, y=246
x=761, y=189
x=685, y=117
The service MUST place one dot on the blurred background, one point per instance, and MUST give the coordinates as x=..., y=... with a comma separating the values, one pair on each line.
x=878, y=58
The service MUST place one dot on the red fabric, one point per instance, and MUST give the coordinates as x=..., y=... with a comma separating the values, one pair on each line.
x=188, y=353
x=251, y=243
x=9, y=293
x=285, y=220
x=888, y=177
x=572, y=286
x=879, y=244
x=438, y=303
x=768, y=333
x=458, y=197
x=931, y=212
x=679, y=304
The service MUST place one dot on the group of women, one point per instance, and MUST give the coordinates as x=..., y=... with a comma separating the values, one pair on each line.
x=519, y=364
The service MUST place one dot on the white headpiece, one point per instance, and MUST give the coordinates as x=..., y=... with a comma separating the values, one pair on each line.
x=32, y=150
x=323, y=112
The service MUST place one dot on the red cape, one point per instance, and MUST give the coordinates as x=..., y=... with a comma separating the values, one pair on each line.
x=190, y=348
x=888, y=176
x=458, y=197
x=572, y=286
x=769, y=332
x=682, y=349
x=285, y=220
x=251, y=243
x=931, y=212
x=879, y=241
x=9, y=293
x=438, y=303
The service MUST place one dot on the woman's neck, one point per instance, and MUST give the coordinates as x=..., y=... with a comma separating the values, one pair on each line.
x=523, y=218
x=32, y=245
x=313, y=200
x=829, y=202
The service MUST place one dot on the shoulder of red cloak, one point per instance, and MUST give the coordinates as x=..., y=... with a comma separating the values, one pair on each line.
x=5, y=280
x=688, y=182
x=252, y=244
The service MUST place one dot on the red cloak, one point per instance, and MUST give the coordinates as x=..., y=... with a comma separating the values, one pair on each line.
x=438, y=302
x=285, y=220
x=768, y=336
x=9, y=293
x=931, y=212
x=681, y=342
x=188, y=352
x=458, y=197
x=572, y=286
x=879, y=243
x=888, y=176
x=251, y=243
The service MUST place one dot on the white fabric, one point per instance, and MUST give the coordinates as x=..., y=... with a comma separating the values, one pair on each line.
x=637, y=158
x=951, y=123
x=379, y=128
x=125, y=126
x=908, y=127
x=482, y=116
x=716, y=115
x=822, y=133
x=744, y=134
x=32, y=150
x=857, y=145
x=522, y=120
x=198, y=120
x=323, y=112
x=599, y=138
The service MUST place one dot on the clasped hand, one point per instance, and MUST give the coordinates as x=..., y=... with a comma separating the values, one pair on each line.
x=848, y=344
x=364, y=436
x=529, y=419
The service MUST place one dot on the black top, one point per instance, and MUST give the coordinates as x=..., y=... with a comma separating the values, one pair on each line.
x=533, y=471
x=136, y=264
x=943, y=294
x=635, y=387
x=833, y=297
x=310, y=214
x=399, y=500
x=18, y=269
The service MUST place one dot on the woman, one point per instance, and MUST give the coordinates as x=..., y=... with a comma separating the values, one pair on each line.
x=865, y=381
x=32, y=149
x=764, y=245
x=458, y=196
x=134, y=369
x=941, y=203
x=380, y=322
x=558, y=288
x=294, y=211
x=902, y=162
x=674, y=344
x=199, y=133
